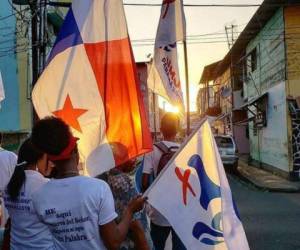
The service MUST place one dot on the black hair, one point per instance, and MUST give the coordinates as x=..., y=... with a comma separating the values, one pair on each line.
x=51, y=135
x=1, y=138
x=169, y=124
x=28, y=155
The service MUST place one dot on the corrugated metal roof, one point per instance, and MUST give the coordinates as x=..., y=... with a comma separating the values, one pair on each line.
x=257, y=22
x=208, y=73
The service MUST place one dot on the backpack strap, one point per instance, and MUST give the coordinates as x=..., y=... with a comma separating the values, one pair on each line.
x=162, y=147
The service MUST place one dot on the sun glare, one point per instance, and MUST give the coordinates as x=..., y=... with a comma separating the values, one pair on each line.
x=166, y=106
x=172, y=109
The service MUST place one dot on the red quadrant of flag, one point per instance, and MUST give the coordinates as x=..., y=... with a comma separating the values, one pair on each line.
x=115, y=72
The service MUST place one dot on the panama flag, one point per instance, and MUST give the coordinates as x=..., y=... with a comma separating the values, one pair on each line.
x=201, y=208
x=90, y=82
x=171, y=29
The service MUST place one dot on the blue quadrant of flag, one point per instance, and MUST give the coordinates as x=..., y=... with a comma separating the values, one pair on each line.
x=68, y=36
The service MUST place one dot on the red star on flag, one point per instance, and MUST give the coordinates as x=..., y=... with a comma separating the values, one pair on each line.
x=69, y=114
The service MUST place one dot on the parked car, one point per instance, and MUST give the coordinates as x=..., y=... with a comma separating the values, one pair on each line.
x=228, y=151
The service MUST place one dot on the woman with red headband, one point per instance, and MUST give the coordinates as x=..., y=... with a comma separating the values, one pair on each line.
x=27, y=232
x=78, y=210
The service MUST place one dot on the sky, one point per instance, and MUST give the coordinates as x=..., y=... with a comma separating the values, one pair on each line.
x=142, y=24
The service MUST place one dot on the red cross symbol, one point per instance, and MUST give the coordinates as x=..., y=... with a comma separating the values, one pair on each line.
x=184, y=178
x=167, y=2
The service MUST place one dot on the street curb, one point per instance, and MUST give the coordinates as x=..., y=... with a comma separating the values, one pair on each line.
x=272, y=190
x=258, y=184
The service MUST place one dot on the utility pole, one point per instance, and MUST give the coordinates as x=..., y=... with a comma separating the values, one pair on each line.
x=231, y=41
x=232, y=34
x=207, y=94
x=154, y=115
x=42, y=33
x=232, y=79
x=228, y=42
x=34, y=49
x=38, y=41
x=34, y=40
x=187, y=90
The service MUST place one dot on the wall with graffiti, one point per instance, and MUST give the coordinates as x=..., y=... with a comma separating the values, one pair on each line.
x=292, y=39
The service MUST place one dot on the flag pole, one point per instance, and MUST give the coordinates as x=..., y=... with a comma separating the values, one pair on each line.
x=187, y=91
x=182, y=146
x=154, y=114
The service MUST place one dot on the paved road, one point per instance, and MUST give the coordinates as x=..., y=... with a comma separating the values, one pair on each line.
x=271, y=220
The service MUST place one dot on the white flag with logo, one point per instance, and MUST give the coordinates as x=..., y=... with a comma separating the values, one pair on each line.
x=201, y=208
x=2, y=94
x=171, y=29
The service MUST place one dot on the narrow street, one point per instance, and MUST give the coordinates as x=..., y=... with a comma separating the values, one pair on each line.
x=271, y=220
x=153, y=97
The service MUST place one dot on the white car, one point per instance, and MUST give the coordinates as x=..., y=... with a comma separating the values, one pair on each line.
x=228, y=150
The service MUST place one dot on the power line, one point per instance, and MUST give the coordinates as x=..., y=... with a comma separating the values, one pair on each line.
x=222, y=35
x=196, y=5
x=5, y=17
x=67, y=4
x=277, y=37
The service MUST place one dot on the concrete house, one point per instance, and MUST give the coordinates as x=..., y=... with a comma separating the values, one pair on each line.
x=260, y=79
x=15, y=67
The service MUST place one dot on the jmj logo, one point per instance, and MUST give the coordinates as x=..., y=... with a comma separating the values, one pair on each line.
x=209, y=191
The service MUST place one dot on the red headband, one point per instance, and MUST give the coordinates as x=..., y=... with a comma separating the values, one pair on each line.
x=66, y=153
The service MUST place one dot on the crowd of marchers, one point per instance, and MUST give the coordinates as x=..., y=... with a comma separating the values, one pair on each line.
x=47, y=204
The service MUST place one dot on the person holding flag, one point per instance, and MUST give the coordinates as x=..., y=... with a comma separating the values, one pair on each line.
x=123, y=190
x=164, y=80
x=201, y=208
x=154, y=163
x=78, y=210
x=90, y=82
x=90, y=85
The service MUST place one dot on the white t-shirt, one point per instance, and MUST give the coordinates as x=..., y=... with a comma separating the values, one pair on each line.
x=8, y=161
x=151, y=161
x=74, y=208
x=27, y=231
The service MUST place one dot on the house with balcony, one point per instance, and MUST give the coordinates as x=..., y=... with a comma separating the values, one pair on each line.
x=223, y=93
x=261, y=79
